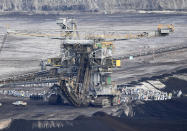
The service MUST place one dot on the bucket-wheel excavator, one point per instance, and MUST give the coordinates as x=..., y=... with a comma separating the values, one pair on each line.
x=82, y=72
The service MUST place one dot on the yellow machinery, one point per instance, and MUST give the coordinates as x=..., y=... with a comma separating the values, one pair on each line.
x=116, y=63
x=165, y=29
x=54, y=62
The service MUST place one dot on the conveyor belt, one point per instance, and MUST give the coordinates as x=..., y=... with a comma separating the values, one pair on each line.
x=70, y=96
x=74, y=97
x=35, y=77
x=156, y=51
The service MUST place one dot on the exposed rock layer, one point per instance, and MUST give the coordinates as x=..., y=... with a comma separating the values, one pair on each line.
x=91, y=5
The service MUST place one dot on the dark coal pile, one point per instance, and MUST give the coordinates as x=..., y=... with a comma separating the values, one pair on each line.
x=170, y=109
x=175, y=84
x=99, y=121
